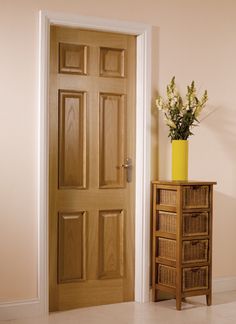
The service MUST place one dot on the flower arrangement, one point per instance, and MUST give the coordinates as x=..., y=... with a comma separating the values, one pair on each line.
x=181, y=115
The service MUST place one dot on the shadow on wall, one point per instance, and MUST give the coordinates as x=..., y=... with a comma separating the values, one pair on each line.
x=219, y=163
x=212, y=148
x=224, y=238
x=222, y=122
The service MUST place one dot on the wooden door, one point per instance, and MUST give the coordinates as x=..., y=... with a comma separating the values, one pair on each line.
x=91, y=134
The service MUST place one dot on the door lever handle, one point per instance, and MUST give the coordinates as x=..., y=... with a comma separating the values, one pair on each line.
x=128, y=166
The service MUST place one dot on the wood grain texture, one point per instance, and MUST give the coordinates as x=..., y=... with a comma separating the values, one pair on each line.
x=182, y=249
x=112, y=62
x=179, y=279
x=111, y=140
x=72, y=139
x=71, y=247
x=111, y=244
x=73, y=59
x=175, y=183
x=90, y=274
x=154, y=248
x=209, y=295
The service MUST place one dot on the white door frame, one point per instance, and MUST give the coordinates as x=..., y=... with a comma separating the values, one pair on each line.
x=143, y=131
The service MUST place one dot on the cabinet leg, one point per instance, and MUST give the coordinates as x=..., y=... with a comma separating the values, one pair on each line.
x=178, y=303
x=209, y=299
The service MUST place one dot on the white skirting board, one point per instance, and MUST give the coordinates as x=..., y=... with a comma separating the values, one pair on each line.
x=223, y=284
x=33, y=307
x=21, y=309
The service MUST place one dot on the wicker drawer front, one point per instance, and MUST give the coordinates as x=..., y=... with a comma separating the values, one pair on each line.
x=166, y=248
x=166, y=197
x=196, y=197
x=195, y=278
x=195, y=224
x=166, y=275
x=195, y=251
x=166, y=222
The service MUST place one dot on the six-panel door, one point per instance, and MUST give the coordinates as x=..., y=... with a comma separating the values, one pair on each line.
x=91, y=131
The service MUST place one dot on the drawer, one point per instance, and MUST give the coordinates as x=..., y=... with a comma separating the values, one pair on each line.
x=195, y=224
x=166, y=275
x=195, y=278
x=166, y=197
x=192, y=251
x=166, y=248
x=166, y=222
x=195, y=197
x=195, y=251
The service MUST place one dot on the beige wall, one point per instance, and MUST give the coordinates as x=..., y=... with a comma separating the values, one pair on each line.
x=192, y=40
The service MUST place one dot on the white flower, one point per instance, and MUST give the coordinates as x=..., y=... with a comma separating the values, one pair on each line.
x=170, y=123
x=187, y=107
x=172, y=103
x=198, y=111
x=159, y=103
x=178, y=110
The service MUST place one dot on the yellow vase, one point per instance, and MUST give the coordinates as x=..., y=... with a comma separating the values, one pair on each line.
x=179, y=160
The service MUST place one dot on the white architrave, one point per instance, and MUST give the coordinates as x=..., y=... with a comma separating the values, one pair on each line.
x=39, y=305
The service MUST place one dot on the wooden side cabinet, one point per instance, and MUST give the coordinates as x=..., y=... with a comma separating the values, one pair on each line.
x=182, y=239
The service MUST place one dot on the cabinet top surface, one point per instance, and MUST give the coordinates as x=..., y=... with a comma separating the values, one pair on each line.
x=183, y=183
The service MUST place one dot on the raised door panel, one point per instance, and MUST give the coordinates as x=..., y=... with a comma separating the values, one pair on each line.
x=73, y=59
x=111, y=140
x=72, y=139
x=71, y=247
x=112, y=62
x=111, y=244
